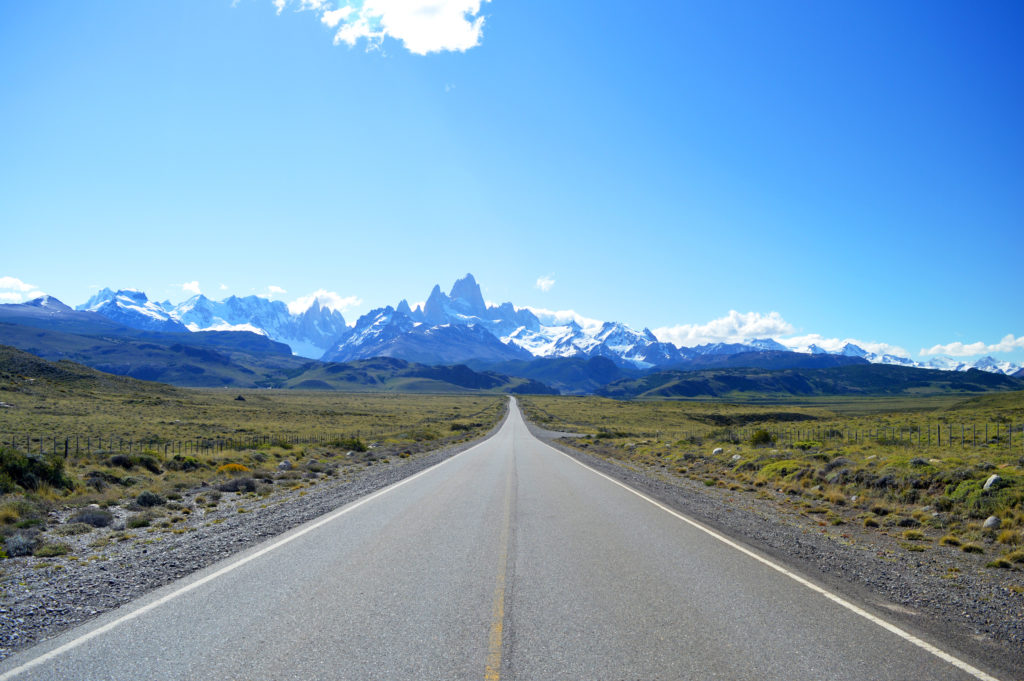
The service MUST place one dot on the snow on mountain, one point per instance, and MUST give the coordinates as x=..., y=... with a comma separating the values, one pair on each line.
x=132, y=308
x=989, y=363
x=453, y=327
x=309, y=333
x=48, y=303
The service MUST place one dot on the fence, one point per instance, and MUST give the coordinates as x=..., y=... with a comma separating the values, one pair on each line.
x=1004, y=436
x=75, y=445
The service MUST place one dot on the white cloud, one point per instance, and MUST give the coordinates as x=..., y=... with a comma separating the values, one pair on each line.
x=803, y=343
x=14, y=290
x=327, y=299
x=190, y=287
x=423, y=26
x=223, y=287
x=1007, y=344
x=733, y=328
x=545, y=282
x=274, y=290
x=15, y=284
x=563, y=317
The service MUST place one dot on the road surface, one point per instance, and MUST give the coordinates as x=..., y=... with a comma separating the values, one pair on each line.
x=508, y=561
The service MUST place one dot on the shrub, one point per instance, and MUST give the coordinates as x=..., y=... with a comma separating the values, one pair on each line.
x=232, y=468
x=127, y=462
x=914, y=535
x=762, y=438
x=51, y=550
x=870, y=522
x=972, y=548
x=950, y=540
x=71, y=529
x=140, y=520
x=29, y=472
x=1008, y=537
x=20, y=544
x=238, y=485
x=96, y=517
x=149, y=499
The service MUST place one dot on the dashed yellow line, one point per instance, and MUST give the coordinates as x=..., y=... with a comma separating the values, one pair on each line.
x=493, y=669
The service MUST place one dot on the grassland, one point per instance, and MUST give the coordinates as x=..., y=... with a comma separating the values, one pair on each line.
x=844, y=460
x=39, y=398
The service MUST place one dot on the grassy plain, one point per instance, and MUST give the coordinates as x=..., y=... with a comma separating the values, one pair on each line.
x=39, y=398
x=843, y=460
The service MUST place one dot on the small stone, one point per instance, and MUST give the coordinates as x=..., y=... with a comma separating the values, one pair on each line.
x=992, y=523
x=736, y=457
x=717, y=451
x=285, y=465
x=992, y=480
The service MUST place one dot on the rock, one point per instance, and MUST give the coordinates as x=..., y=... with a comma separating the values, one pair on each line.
x=992, y=523
x=239, y=399
x=736, y=457
x=285, y=465
x=993, y=481
x=718, y=450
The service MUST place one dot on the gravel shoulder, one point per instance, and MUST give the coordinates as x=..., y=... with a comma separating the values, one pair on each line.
x=108, y=567
x=944, y=596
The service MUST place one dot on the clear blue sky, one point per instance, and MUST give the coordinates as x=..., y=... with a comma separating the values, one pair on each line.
x=855, y=168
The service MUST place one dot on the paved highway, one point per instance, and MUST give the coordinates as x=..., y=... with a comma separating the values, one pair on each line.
x=509, y=561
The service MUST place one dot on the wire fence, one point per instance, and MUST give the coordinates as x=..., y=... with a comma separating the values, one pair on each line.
x=78, y=445
x=1001, y=436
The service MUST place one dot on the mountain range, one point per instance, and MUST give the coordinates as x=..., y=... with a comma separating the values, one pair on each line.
x=460, y=327
x=445, y=345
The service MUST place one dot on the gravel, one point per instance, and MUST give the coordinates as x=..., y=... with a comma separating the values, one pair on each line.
x=945, y=593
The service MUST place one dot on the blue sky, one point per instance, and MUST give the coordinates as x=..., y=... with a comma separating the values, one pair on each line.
x=816, y=171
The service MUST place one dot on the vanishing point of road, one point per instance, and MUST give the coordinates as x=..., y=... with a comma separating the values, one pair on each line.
x=508, y=561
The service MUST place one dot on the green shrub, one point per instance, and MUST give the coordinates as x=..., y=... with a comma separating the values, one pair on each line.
x=762, y=438
x=28, y=472
x=149, y=499
x=51, y=550
x=140, y=520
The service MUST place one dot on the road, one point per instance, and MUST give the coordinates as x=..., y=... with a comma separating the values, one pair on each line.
x=508, y=561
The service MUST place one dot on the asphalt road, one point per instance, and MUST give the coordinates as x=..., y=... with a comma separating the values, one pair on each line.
x=509, y=561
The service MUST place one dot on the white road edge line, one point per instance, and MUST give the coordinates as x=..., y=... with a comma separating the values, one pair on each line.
x=70, y=645
x=907, y=636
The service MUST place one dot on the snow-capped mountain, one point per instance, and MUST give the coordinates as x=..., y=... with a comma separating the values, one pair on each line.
x=940, y=362
x=451, y=328
x=309, y=333
x=463, y=320
x=133, y=309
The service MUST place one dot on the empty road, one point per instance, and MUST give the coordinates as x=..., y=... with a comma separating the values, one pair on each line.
x=508, y=561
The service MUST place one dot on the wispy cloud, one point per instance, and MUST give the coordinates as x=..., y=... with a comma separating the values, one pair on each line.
x=272, y=291
x=190, y=287
x=423, y=26
x=328, y=299
x=1007, y=344
x=563, y=317
x=14, y=290
x=732, y=328
x=545, y=282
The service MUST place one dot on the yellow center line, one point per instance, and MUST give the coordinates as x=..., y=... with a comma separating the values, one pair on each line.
x=493, y=669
